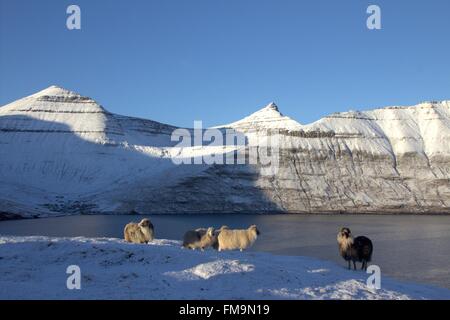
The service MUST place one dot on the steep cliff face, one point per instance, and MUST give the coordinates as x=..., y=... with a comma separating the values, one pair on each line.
x=62, y=153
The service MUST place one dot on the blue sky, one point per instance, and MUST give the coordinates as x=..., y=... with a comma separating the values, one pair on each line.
x=220, y=60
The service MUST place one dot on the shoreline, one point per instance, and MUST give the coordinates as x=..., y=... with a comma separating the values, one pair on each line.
x=6, y=216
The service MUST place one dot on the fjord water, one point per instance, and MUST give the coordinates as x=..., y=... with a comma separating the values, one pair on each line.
x=408, y=247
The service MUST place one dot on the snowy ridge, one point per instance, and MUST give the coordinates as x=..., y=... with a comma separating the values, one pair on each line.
x=268, y=117
x=63, y=153
x=113, y=269
x=422, y=129
x=69, y=102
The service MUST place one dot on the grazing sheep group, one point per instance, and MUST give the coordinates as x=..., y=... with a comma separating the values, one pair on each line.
x=201, y=238
x=222, y=239
x=354, y=250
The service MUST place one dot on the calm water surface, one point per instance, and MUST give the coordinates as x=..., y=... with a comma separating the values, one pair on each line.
x=411, y=248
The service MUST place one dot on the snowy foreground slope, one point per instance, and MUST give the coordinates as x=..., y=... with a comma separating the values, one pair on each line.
x=35, y=268
x=63, y=153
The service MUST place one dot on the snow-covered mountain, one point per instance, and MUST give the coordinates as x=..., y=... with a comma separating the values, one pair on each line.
x=62, y=153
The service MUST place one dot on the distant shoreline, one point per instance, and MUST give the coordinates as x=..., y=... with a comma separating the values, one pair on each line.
x=6, y=216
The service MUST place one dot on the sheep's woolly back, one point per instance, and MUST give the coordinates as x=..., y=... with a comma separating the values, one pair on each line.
x=216, y=236
x=362, y=248
x=236, y=239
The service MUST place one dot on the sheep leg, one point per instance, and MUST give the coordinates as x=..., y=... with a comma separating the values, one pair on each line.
x=363, y=266
x=349, y=265
x=354, y=265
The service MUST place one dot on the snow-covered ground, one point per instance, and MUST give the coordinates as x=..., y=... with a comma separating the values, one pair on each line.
x=35, y=268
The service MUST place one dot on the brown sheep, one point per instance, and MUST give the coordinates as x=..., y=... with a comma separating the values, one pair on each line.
x=199, y=238
x=141, y=232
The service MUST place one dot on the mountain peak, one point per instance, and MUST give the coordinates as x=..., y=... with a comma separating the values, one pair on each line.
x=266, y=117
x=271, y=106
x=54, y=99
x=57, y=91
x=271, y=110
x=56, y=94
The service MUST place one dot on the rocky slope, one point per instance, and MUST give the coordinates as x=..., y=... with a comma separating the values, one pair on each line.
x=62, y=153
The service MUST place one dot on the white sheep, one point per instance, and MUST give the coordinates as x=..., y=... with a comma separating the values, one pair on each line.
x=141, y=232
x=236, y=239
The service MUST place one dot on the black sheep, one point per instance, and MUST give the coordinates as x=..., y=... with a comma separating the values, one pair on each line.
x=358, y=249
